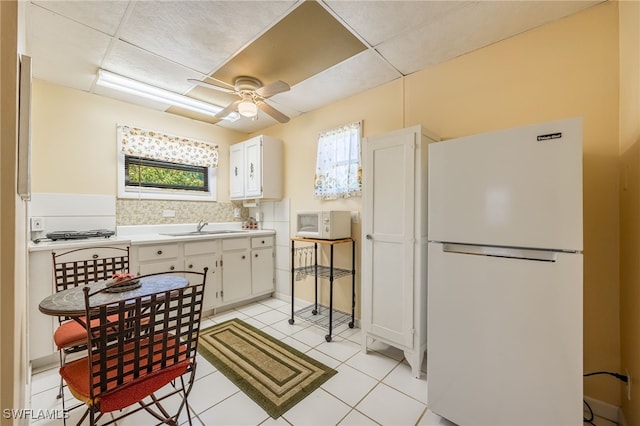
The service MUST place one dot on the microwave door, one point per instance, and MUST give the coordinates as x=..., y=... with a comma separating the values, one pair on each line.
x=308, y=223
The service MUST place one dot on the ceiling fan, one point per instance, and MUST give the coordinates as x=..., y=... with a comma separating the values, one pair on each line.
x=252, y=95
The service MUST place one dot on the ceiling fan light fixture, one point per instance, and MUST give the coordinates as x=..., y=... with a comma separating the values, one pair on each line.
x=247, y=109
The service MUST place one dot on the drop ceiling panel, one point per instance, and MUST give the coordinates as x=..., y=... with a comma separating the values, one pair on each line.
x=470, y=28
x=203, y=35
x=304, y=43
x=103, y=16
x=133, y=62
x=378, y=21
x=76, y=64
x=359, y=73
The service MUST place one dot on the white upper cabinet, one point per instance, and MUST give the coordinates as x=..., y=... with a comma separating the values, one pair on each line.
x=255, y=168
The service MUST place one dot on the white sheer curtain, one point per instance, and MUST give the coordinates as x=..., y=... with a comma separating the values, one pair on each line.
x=338, y=169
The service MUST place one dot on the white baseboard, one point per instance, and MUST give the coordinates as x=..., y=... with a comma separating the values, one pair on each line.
x=604, y=409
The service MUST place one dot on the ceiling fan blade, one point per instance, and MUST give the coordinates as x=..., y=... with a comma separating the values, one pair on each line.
x=272, y=89
x=272, y=112
x=228, y=109
x=210, y=86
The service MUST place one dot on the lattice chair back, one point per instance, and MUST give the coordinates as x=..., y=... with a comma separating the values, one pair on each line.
x=136, y=347
x=84, y=265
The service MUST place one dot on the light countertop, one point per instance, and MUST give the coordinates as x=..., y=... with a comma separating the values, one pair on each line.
x=152, y=234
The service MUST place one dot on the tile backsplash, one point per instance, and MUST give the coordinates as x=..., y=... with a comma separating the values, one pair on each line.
x=149, y=212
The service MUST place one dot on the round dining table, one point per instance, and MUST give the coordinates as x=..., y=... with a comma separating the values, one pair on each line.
x=70, y=302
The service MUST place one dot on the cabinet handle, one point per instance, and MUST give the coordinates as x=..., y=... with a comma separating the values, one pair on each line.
x=190, y=266
x=262, y=241
x=369, y=237
x=244, y=257
x=159, y=252
x=172, y=268
x=95, y=256
x=256, y=255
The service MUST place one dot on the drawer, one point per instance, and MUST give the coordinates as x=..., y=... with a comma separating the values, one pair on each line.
x=163, y=251
x=235, y=244
x=266, y=241
x=193, y=248
x=72, y=255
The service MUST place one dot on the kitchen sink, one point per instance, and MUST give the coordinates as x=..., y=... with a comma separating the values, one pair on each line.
x=212, y=232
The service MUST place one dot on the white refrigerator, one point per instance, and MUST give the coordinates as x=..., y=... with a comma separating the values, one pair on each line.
x=504, y=322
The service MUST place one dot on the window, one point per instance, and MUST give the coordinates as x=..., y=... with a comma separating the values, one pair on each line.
x=338, y=168
x=163, y=174
x=154, y=165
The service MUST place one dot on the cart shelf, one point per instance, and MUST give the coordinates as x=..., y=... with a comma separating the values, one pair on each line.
x=316, y=313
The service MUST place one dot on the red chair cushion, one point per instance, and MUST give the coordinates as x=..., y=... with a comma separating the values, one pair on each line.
x=72, y=333
x=76, y=375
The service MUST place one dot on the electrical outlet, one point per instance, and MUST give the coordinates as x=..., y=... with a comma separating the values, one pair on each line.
x=37, y=224
x=626, y=370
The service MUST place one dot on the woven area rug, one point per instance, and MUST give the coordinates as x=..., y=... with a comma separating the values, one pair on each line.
x=273, y=374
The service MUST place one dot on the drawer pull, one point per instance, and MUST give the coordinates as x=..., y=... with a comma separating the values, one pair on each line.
x=262, y=241
x=172, y=268
x=256, y=255
x=95, y=256
x=190, y=266
x=159, y=252
x=244, y=257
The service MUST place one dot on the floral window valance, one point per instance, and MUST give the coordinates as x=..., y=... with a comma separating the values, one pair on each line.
x=338, y=169
x=160, y=146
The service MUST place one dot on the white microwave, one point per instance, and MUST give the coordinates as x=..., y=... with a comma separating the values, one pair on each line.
x=323, y=224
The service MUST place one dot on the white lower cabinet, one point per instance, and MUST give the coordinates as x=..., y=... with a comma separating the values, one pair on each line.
x=200, y=255
x=236, y=270
x=262, y=270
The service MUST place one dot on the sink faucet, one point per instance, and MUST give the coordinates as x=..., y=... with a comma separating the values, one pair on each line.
x=201, y=224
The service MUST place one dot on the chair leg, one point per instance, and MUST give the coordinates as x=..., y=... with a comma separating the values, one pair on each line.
x=62, y=360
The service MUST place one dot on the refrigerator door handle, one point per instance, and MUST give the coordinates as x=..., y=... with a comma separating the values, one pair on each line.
x=495, y=251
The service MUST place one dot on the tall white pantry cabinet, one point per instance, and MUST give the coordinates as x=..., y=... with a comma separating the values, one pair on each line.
x=255, y=169
x=394, y=242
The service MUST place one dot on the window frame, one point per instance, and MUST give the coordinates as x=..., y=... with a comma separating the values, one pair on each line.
x=145, y=192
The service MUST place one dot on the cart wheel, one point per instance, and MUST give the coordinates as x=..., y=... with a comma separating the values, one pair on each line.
x=351, y=324
x=314, y=312
x=291, y=321
x=327, y=338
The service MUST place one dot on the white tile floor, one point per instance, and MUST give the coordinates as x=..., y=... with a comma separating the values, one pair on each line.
x=376, y=388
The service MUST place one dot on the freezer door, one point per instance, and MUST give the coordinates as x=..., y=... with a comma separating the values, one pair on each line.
x=518, y=188
x=504, y=343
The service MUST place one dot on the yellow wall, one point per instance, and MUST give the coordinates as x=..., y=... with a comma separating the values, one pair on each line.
x=74, y=139
x=563, y=69
x=630, y=202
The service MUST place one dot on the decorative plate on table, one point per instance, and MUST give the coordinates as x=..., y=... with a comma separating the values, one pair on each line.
x=118, y=287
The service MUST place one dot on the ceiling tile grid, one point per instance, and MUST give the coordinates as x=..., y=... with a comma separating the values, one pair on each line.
x=326, y=50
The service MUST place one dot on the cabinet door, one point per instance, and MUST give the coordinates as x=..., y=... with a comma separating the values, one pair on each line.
x=253, y=168
x=212, y=297
x=236, y=275
x=262, y=270
x=388, y=226
x=236, y=171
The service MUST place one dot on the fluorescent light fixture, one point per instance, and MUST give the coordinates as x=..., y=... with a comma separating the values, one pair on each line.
x=133, y=87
